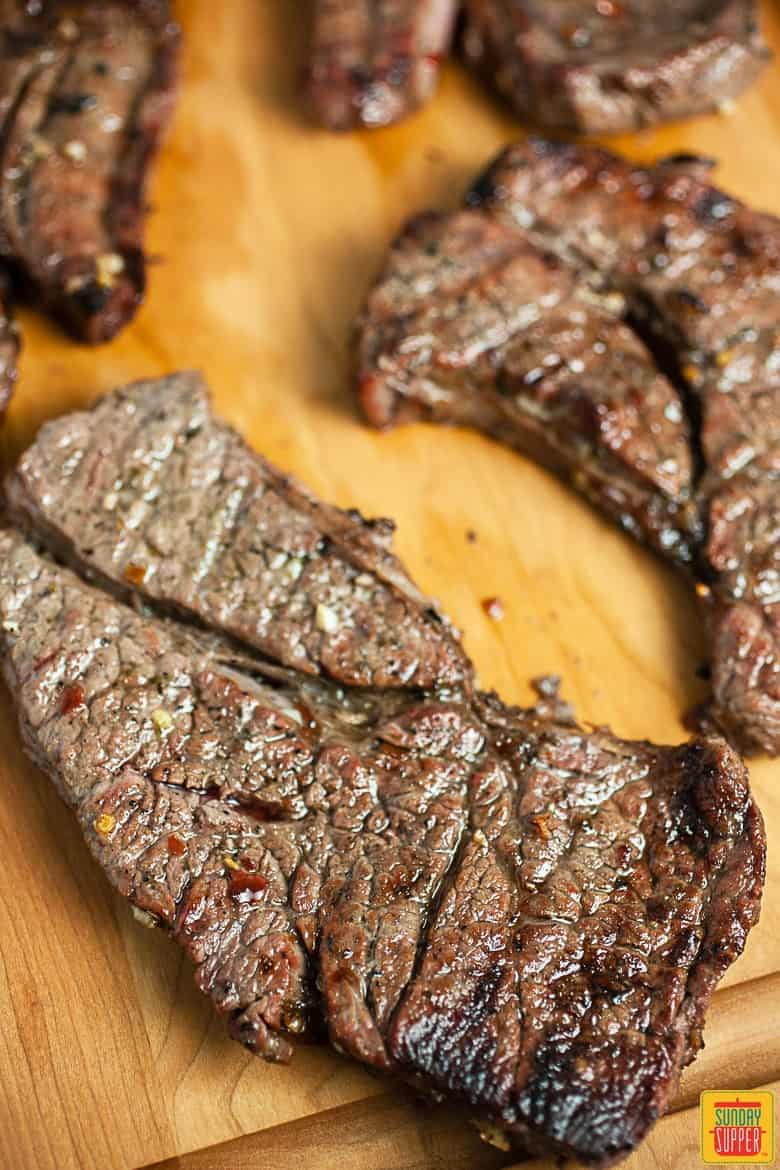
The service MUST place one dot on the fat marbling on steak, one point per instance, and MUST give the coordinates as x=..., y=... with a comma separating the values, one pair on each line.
x=488, y=903
x=649, y=373
x=375, y=61
x=86, y=91
x=152, y=493
x=604, y=66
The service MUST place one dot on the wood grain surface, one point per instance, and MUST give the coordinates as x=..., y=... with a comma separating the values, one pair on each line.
x=393, y=1132
x=269, y=232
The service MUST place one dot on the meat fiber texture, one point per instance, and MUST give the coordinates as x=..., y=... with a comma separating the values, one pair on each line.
x=579, y=65
x=86, y=92
x=620, y=324
x=490, y=903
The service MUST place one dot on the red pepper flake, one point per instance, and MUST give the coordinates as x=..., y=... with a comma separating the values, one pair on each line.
x=247, y=887
x=72, y=698
x=176, y=846
x=135, y=574
x=494, y=608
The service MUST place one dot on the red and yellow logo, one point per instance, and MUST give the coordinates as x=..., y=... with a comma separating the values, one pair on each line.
x=737, y=1127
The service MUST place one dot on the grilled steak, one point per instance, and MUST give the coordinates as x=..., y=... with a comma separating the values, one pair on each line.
x=595, y=67
x=472, y=322
x=151, y=493
x=619, y=323
x=483, y=901
x=9, y=345
x=86, y=90
x=375, y=61
x=614, y=65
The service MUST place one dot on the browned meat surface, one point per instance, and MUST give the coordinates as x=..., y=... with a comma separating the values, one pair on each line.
x=375, y=61
x=491, y=904
x=9, y=345
x=153, y=494
x=605, y=66
x=473, y=323
x=657, y=382
x=590, y=66
x=86, y=90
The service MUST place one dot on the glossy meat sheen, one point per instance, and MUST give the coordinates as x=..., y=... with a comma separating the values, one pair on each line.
x=374, y=62
x=606, y=66
x=9, y=346
x=485, y=902
x=704, y=272
x=152, y=493
x=86, y=91
x=471, y=322
x=695, y=276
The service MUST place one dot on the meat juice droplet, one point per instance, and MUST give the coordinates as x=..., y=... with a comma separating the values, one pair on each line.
x=247, y=887
x=72, y=698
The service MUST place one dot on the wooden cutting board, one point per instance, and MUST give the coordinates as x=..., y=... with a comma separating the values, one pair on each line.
x=268, y=233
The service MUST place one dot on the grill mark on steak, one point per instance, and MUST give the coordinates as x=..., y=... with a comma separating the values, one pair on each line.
x=374, y=62
x=86, y=91
x=473, y=322
x=699, y=275
x=602, y=68
x=494, y=905
x=156, y=497
x=591, y=68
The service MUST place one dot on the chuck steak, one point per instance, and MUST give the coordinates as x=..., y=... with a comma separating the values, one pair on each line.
x=489, y=903
x=604, y=66
x=581, y=65
x=619, y=323
x=86, y=90
x=375, y=61
x=151, y=493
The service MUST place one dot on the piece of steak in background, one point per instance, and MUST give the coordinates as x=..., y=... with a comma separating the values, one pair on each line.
x=609, y=66
x=152, y=493
x=373, y=62
x=498, y=907
x=86, y=92
x=618, y=323
x=9, y=344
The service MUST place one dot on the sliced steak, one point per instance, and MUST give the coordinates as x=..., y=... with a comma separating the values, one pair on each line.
x=151, y=493
x=657, y=374
x=604, y=66
x=495, y=906
x=702, y=272
x=373, y=62
x=471, y=322
x=86, y=90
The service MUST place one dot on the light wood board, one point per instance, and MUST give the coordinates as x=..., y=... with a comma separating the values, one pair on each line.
x=269, y=233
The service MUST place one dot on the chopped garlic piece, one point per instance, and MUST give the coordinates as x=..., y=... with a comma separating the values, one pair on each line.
x=327, y=619
x=104, y=824
x=75, y=150
x=107, y=267
x=144, y=917
x=163, y=720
